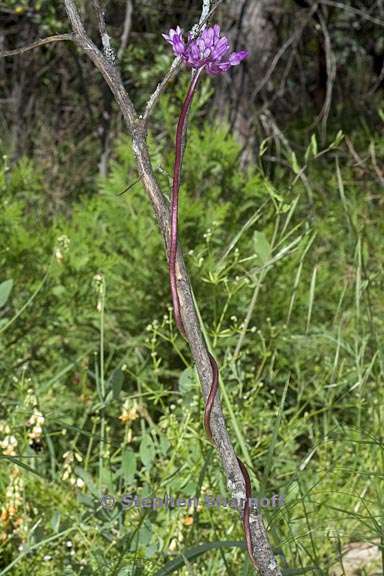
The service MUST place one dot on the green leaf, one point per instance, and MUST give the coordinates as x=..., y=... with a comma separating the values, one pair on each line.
x=58, y=290
x=87, y=478
x=87, y=500
x=187, y=381
x=262, y=247
x=312, y=148
x=18, y=462
x=5, y=290
x=313, y=145
x=147, y=450
x=337, y=140
x=55, y=521
x=298, y=571
x=131, y=570
x=272, y=191
x=264, y=146
x=128, y=465
x=164, y=444
x=145, y=534
x=116, y=382
x=294, y=163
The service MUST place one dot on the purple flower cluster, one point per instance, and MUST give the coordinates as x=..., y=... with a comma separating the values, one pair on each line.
x=206, y=51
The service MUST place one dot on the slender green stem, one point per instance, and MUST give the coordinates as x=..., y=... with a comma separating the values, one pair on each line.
x=101, y=304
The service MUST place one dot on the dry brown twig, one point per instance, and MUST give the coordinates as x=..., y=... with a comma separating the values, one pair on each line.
x=137, y=126
x=37, y=44
x=293, y=38
x=109, y=53
x=331, y=77
x=126, y=28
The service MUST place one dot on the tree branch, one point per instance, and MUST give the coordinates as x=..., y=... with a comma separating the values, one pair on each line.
x=37, y=44
x=205, y=13
x=277, y=57
x=363, y=13
x=126, y=28
x=331, y=77
x=170, y=75
x=109, y=53
x=105, y=66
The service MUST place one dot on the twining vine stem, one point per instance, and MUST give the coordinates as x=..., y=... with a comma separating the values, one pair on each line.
x=180, y=139
x=174, y=209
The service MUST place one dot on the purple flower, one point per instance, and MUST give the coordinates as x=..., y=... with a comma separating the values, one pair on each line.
x=175, y=37
x=209, y=50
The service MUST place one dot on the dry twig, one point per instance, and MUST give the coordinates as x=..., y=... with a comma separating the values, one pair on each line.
x=37, y=44
x=126, y=28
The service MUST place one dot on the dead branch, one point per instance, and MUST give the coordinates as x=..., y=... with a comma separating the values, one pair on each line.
x=364, y=14
x=295, y=36
x=331, y=77
x=37, y=44
x=108, y=69
x=105, y=38
x=126, y=28
x=170, y=75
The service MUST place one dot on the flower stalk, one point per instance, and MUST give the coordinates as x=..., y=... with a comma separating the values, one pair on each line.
x=180, y=139
x=174, y=209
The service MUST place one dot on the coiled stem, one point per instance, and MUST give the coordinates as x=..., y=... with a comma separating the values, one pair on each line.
x=180, y=139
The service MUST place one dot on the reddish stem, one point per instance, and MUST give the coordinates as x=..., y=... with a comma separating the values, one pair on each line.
x=180, y=133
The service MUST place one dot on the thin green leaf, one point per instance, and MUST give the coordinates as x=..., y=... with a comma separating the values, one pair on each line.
x=5, y=290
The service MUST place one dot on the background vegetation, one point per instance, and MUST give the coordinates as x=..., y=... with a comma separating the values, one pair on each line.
x=282, y=229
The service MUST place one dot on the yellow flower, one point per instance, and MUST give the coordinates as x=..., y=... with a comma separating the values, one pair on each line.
x=188, y=520
x=8, y=446
x=129, y=413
